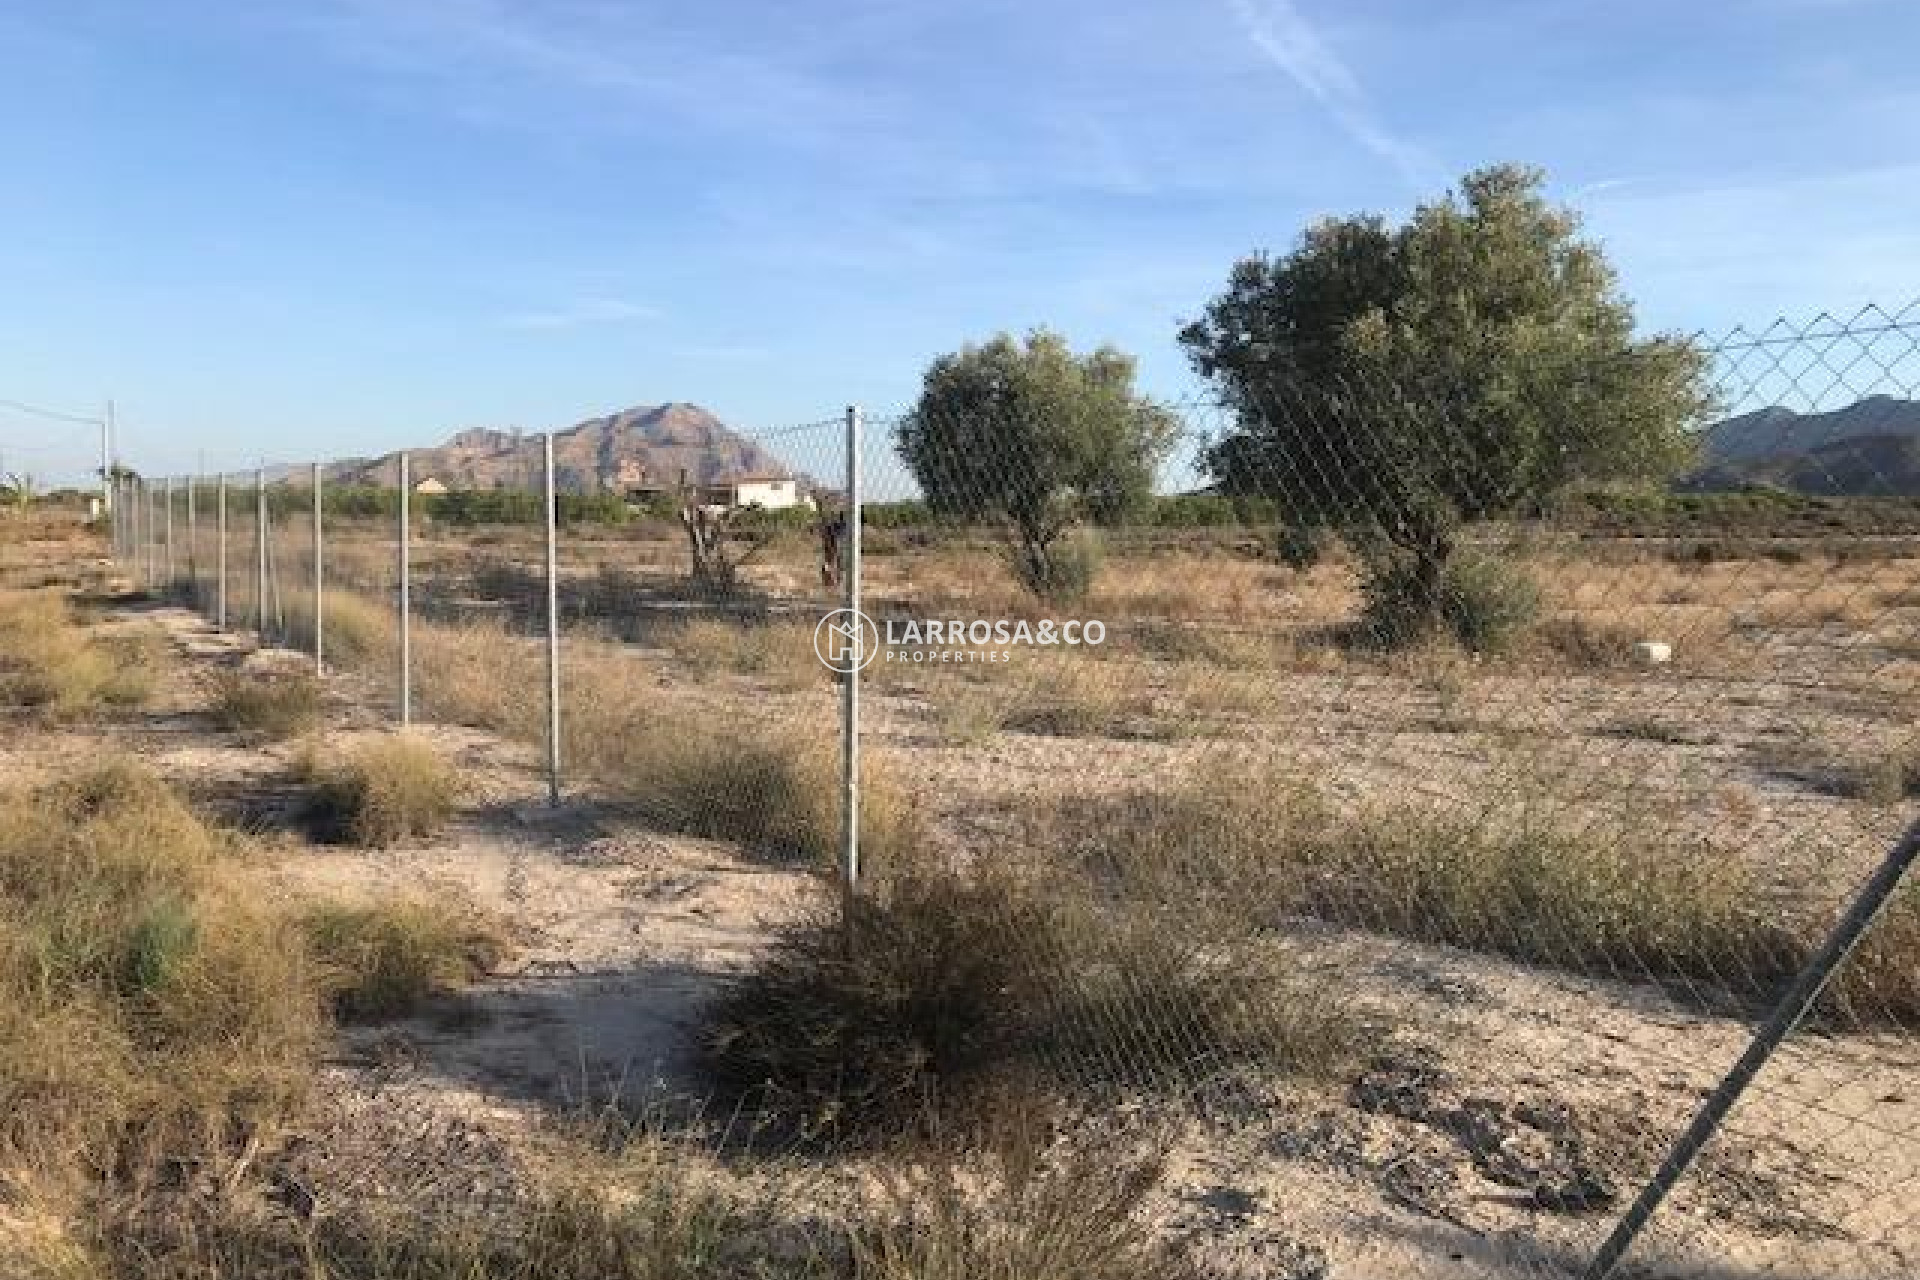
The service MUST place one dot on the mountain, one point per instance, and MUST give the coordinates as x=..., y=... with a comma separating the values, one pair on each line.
x=651, y=445
x=1871, y=447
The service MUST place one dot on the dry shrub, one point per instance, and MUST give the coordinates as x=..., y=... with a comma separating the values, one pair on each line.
x=942, y=988
x=481, y=674
x=152, y=1007
x=769, y=788
x=1880, y=982
x=1485, y=604
x=49, y=663
x=277, y=704
x=1022, y=1208
x=1080, y=699
x=1584, y=641
x=782, y=654
x=389, y=958
x=361, y=636
x=392, y=789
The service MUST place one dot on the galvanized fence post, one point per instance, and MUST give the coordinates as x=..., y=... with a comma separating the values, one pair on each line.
x=406, y=626
x=319, y=583
x=260, y=544
x=193, y=541
x=1786, y=1015
x=220, y=556
x=153, y=536
x=850, y=688
x=553, y=630
x=166, y=525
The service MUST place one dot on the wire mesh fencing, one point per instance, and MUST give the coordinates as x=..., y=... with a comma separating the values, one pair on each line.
x=1422, y=781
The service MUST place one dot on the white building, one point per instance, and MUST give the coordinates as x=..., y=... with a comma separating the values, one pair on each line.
x=770, y=493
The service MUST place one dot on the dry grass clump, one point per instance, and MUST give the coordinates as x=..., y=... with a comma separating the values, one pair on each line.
x=1518, y=887
x=152, y=1008
x=1019, y=1208
x=1584, y=641
x=1064, y=699
x=1886, y=779
x=768, y=788
x=390, y=958
x=780, y=653
x=361, y=632
x=51, y=664
x=388, y=790
x=1880, y=983
x=633, y=1217
x=942, y=988
x=482, y=674
x=276, y=704
x=1024, y=1207
x=1233, y=649
x=1611, y=902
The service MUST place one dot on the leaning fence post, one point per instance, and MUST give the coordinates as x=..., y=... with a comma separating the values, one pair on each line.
x=553, y=631
x=220, y=556
x=406, y=632
x=1786, y=1015
x=850, y=688
x=260, y=544
x=319, y=584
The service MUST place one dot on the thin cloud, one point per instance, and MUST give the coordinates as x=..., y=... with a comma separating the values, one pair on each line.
x=1282, y=33
x=1605, y=185
x=580, y=314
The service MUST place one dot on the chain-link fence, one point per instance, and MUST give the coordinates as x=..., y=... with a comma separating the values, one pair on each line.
x=1404, y=772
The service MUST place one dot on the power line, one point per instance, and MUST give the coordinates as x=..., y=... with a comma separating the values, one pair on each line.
x=54, y=414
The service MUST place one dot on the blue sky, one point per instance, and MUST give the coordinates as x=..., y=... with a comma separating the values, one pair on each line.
x=322, y=227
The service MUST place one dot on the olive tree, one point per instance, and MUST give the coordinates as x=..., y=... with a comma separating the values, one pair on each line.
x=1395, y=382
x=1026, y=432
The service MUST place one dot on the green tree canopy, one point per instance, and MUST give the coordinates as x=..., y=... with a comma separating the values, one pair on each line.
x=1028, y=432
x=1458, y=367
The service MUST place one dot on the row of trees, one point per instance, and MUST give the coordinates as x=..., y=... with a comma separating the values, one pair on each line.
x=1388, y=384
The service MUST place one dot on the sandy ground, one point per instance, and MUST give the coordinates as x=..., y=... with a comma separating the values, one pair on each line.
x=1462, y=1149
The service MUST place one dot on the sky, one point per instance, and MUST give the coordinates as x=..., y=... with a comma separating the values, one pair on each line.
x=288, y=229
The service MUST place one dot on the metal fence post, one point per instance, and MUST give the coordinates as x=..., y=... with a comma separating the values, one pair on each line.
x=850, y=689
x=553, y=630
x=319, y=583
x=1786, y=1015
x=153, y=536
x=260, y=545
x=166, y=526
x=406, y=626
x=220, y=556
x=193, y=541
